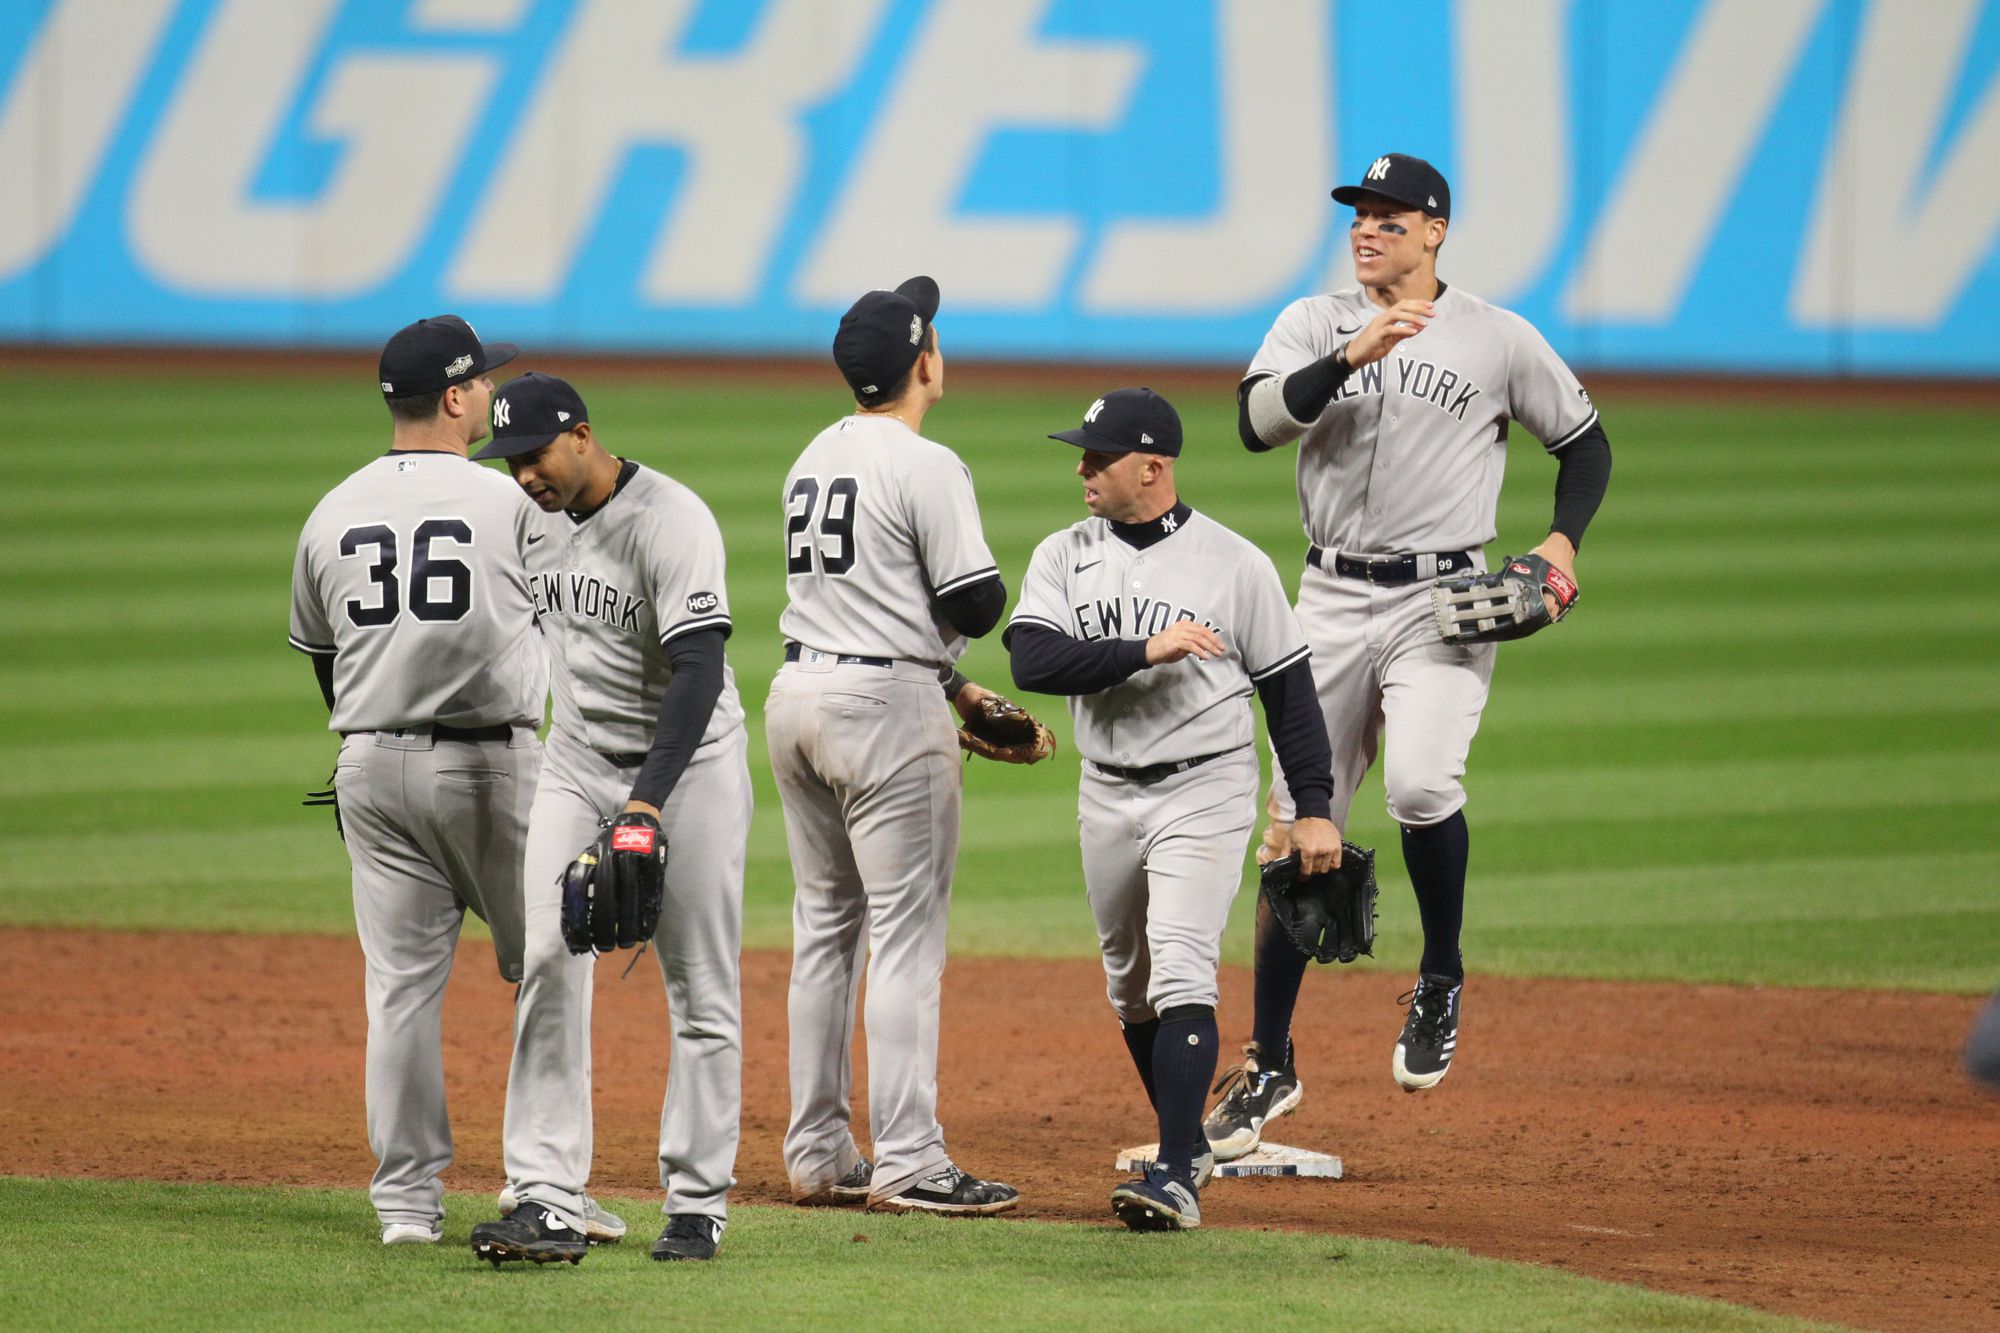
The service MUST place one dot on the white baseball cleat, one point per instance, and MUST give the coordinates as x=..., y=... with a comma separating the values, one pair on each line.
x=412, y=1233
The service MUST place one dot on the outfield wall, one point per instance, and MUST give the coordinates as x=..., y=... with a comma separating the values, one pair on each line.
x=1768, y=186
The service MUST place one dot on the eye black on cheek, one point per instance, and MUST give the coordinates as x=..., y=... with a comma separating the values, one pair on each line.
x=1395, y=229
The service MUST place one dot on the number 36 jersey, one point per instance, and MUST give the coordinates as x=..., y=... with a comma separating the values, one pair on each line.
x=408, y=576
x=879, y=523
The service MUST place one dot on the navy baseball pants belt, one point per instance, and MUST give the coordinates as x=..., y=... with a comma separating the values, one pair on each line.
x=499, y=731
x=792, y=651
x=1152, y=773
x=1389, y=569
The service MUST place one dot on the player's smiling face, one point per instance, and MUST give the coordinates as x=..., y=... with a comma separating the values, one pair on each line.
x=1112, y=483
x=554, y=475
x=1388, y=240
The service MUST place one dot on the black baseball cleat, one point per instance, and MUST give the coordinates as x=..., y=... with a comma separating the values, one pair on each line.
x=1255, y=1096
x=1430, y=1033
x=531, y=1232
x=1157, y=1201
x=689, y=1236
x=951, y=1191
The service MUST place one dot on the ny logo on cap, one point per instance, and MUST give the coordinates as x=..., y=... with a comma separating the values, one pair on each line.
x=1095, y=408
x=1378, y=170
x=458, y=367
x=501, y=411
x=916, y=329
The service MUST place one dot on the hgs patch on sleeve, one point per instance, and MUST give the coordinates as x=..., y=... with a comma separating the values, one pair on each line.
x=698, y=602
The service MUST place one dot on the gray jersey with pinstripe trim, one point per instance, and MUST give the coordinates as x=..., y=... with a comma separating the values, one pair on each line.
x=1409, y=454
x=407, y=575
x=1086, y=583
x=611, y=592
x=879, y=523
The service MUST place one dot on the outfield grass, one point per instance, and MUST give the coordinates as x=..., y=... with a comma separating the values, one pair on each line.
x=1760, y=752
x=138, y=1254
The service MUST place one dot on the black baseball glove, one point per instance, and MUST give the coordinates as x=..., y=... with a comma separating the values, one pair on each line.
x=1330, y=917
x=1503, y=603
x=612, y=893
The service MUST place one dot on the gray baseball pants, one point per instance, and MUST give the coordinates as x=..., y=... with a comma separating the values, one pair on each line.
x=433, y=827
x=866, y=760
x=549, y=1126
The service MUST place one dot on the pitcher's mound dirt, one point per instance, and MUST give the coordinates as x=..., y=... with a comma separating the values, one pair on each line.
x=1809, y=1152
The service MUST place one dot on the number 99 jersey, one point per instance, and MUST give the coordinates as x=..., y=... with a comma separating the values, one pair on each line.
x=408, y=576
x=879, y=523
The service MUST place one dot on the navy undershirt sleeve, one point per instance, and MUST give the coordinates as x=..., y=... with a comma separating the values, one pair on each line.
x=1047, y=662
x=974, y=611
x=1298, y=735
x=323, y=672
x=1583, y=472
x=684, y=712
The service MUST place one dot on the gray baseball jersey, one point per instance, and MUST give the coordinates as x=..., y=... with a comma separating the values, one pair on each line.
x=611, y=592
x=1408, y=458
x=879, y=522
x=407, y=576
x=1409, y=454
x=1086, y=583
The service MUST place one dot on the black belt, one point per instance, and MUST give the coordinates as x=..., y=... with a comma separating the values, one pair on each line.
x=1155, y=772
x=499, y=731
x=1388, y=569
x=792, y=651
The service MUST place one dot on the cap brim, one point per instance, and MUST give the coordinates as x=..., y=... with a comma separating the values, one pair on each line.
x=513, y=446
x=1352, y=195
x=1083, y=437
x=921, y=292
x=499, y=354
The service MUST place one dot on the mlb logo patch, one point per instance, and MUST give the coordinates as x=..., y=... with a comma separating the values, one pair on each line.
x=633, y=838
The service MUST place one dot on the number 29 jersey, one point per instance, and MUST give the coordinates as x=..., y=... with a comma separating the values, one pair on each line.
x=879, y=523
x=407, y=574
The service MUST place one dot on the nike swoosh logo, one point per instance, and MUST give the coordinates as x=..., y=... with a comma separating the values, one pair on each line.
x=1345, y=329
x=537, y=537
x=1092, y=565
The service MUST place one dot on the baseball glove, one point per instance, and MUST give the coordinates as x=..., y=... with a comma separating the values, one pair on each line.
x=1002, y=730
x=1330, y=917
x=1503, y=603
x=612, y=893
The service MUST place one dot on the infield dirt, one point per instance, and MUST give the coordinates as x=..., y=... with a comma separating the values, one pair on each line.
x=1814, y=1153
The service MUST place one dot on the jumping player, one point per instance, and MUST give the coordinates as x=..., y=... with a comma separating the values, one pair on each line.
x=626, y=568
x=1400, y=391
x=410, y=598
x=1160, y=623
x=887, y=575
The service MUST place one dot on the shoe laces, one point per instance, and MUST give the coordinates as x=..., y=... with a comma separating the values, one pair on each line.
x=1430, y=1007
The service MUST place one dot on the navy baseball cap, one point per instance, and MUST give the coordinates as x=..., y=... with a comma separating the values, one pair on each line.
x=881, y=335
x=1405, y=179
x=529, y=411
x=1128, y=421
x=434, y=354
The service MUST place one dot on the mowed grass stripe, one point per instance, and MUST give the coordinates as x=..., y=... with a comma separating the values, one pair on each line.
x=1749, y=679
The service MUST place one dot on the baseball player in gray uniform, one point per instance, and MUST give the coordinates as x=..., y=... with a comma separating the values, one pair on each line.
x=1399, y=391
x=626, y=569
x=887, y=575
x=1160, y=624
x=410, y=598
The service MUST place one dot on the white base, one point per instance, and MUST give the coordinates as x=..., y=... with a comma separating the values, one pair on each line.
x=1267, y=1159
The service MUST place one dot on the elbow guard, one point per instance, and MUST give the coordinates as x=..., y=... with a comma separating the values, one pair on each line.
x=1273, y=422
